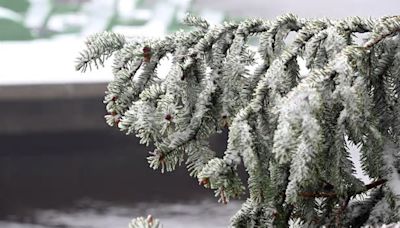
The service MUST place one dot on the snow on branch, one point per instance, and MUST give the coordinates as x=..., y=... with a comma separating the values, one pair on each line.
x=286, y=128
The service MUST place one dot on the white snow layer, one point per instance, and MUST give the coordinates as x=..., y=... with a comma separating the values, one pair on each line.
x=393, y=176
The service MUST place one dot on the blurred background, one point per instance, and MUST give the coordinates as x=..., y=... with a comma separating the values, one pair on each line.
x=60, y=165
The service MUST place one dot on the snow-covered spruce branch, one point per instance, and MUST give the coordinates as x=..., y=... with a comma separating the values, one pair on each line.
x=288, y=128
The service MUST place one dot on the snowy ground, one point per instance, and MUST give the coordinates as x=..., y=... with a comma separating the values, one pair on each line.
x=180, y=215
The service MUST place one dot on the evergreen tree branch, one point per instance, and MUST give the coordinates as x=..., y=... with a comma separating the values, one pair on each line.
x=288, y=130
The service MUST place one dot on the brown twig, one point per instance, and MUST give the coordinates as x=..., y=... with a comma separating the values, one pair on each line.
x=334, y=194
x=371, y=43
x=223, y=196
x=341, y=210
x=374, y=184
x=317, y=194
x=346, y=201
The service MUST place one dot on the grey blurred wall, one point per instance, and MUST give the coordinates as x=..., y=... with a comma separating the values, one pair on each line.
x=55, y=150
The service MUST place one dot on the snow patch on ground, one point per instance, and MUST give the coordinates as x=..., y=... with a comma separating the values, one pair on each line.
x=177, y=215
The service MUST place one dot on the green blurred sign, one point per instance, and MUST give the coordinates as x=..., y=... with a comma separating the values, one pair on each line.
x=32, y=19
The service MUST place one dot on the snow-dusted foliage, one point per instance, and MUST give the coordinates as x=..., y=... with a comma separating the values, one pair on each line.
x=287, y=129
x=141, y=222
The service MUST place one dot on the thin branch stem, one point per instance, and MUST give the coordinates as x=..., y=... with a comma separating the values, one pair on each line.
x=371, y=43
x=334, y=194
x=341, y=210
x=373, y=185
x=317, y=194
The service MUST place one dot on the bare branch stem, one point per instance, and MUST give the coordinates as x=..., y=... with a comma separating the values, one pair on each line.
x=334, y=194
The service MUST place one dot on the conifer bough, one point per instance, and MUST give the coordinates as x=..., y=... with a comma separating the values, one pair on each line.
x=289, y=130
